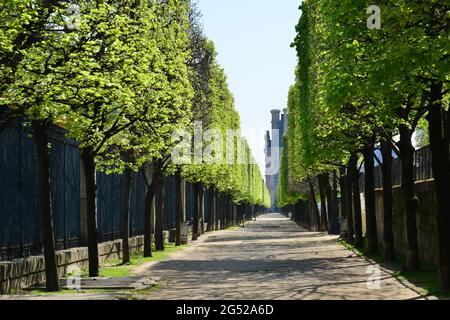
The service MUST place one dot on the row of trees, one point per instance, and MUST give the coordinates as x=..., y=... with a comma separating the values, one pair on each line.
x=121, y=77
x=360, y=89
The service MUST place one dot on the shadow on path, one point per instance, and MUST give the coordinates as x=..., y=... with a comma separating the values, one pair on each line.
x=273, y=258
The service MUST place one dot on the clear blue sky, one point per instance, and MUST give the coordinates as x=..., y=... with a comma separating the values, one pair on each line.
x=253, y=40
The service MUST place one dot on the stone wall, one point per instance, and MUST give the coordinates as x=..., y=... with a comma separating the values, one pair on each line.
x=426, y=220
x=22, y=273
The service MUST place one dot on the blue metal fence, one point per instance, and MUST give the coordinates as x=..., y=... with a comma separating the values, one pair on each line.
x=170, y=199
x=109, y=206
x=20, y=217
x=20, y=223
x=422, y=169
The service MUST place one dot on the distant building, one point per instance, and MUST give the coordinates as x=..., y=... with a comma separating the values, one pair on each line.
x=273, y=149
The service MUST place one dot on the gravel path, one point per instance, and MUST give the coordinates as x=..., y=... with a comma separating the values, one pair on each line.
x=274, y=258
x=271, y=258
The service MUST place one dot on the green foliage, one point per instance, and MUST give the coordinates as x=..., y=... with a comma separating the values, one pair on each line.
x=284, y=196
x=422, y=134
x=314, y=135
x=233, y=170
x=122, y=77
x=30, y=47
x=117, y=80
x=354, y=83
x=138, y=72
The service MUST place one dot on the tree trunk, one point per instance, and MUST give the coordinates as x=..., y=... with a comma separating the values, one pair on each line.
x=308, y=216
x=439, y=139
x=202, y=210
x=315, y=218
x=216, y=210
x=126, y=216
x=196, y=218
x=43, y=158
x=343, y=187
x=357, y=220
x=211, y=205
x=330, y=206
x=149, y=196
x=349, y=198
x=335, y=205
x=222, y=211
x=229, y=212
x=159, y=224
x=410, y=200
x=88, y=158
x=233, y=213
x=179, y=211
x=388, y=232
x=225, y=211
x=369, y=196
x=323, y=204
x=149, y=208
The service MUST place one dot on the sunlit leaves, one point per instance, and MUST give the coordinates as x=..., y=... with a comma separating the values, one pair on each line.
x=116, y=75
x=353, y=83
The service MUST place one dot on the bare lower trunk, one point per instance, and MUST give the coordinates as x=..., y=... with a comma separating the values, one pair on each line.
x=179, y=211
x=210, y=226
x=342, y=185
x=159, y=221
x=227, y=211
x=349, y=198
x=330, y=206
x=202, y=211
x=388, y=232
x=148, y=216
x=48, y=236
x=335, y=205
x=315, y=217
x=369, y=195
x=126, y=216
x=410, y=199
x=196, y=217
x=439, y=138
x=234, y=214
x=216, y=210
x=149, y=213
x=88, y=158
x=222, y=211
x=323, y=204
x=308, y=217
x=357, y=220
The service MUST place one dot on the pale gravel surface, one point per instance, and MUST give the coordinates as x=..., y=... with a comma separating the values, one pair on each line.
x=270, y=259
x=273, y=258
